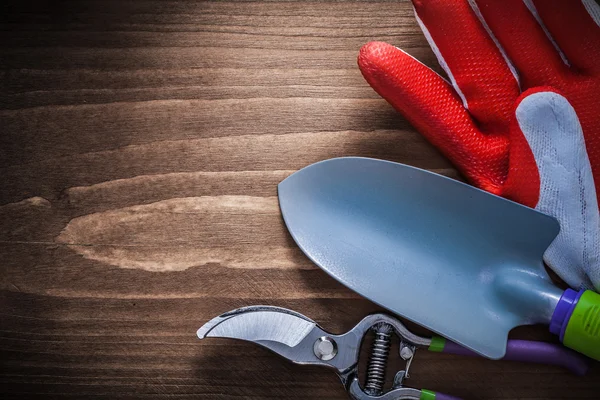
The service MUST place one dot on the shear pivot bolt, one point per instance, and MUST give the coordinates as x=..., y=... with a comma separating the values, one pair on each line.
x=325, y=348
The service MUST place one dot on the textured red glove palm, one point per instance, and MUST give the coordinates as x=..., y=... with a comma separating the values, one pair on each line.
x=500, y=119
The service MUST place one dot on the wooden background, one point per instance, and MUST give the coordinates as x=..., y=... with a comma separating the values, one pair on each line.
x=141, y=145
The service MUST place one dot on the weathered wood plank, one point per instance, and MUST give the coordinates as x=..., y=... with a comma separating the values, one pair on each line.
x=141, y=146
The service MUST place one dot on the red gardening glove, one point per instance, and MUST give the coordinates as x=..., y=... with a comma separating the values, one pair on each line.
x=502, y=119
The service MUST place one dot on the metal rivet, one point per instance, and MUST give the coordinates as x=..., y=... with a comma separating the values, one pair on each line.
x=325, y=348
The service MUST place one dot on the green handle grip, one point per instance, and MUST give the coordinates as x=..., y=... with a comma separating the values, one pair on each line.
x=427, y=395
x=582, y=332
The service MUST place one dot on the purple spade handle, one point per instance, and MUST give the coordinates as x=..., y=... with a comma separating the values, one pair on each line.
x=533, y=352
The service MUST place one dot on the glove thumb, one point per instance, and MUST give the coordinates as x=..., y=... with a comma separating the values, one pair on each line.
x=549, y=169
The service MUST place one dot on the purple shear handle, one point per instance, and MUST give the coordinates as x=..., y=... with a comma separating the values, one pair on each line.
x=442, y=396
x=532, y=352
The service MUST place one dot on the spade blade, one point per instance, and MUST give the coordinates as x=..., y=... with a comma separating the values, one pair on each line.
x=455, y=259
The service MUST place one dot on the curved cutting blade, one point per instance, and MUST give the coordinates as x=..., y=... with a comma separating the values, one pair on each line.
x=455, y=259
x=259, y=324
x=285, y=332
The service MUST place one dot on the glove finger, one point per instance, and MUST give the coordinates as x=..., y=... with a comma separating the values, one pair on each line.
x=432, y=106
x=477, y=69
x=524, y=40
x=553, y=135
x=575, y=26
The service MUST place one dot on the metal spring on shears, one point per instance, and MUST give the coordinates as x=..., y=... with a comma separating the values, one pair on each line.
x=378, y=360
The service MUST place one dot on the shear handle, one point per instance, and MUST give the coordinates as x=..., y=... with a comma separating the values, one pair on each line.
x=403, y=393
x=532, y=352
x=439, y=396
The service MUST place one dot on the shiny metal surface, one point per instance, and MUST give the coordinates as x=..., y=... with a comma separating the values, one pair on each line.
x=302, y=341
x=259, y=323
x=325, y=348
x=293, y=335
x=462, y=262
x=403, y=393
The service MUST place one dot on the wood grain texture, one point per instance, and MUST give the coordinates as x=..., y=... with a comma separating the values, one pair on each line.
x=141, y=145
